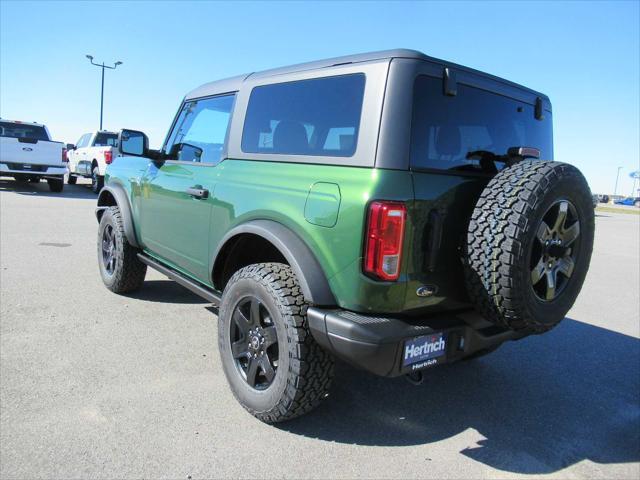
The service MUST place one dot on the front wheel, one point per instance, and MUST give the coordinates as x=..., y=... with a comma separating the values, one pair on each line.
x=120, y=268
x=97, y=180
x=274, y=366
x=72, y=179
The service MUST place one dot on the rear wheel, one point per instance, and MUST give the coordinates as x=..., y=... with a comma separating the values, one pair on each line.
x=56, y=184
x=97, y=180
x=120, y=268
x=21, y=178
x=529, y=245
x=274, y=366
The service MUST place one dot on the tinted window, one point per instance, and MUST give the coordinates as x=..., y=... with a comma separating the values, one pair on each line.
x=307, y=117
x=106, y=140
x=445, y=129
x=200, y=131
x=20, y=130
x=83, y=141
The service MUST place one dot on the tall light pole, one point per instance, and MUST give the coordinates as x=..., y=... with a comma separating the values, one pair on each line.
x=103, y=66
x=615, y=190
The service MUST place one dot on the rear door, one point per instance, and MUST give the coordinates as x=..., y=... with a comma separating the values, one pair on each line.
x=177, y=194
x=482, y=115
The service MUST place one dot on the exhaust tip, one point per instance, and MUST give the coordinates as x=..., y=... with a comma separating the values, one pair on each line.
x=415, y=378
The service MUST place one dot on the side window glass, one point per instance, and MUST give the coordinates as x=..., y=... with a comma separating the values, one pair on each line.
x=82, y=142
x=316, y=117
x=200, y=132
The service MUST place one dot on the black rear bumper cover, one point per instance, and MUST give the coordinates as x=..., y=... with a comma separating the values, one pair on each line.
x=376, y=343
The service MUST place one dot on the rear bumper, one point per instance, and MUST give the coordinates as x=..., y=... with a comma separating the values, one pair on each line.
x=10, y=169
x=377, y=344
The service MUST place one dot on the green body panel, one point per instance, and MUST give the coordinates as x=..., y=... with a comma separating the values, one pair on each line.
x=324, y=205
x=452, y=198
x=249, y=190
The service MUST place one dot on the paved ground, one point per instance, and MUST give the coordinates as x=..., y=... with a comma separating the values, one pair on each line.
x=94, y=385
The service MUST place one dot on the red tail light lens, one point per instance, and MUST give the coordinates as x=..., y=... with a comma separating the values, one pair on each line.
x=108, y=157
x=64, y=155
x=383, y=243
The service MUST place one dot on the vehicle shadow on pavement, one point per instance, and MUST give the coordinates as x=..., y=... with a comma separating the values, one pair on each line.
x=165, y=291
x=41, y=189
x=542, y=404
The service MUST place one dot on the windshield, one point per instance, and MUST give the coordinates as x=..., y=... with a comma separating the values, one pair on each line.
x=106, y=140
x=21, y=130
x=445, y=129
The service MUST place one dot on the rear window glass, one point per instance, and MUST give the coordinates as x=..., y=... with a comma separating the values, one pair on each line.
x=106, y=140
x=318, y=117
x=445, y=129
x=20, y=130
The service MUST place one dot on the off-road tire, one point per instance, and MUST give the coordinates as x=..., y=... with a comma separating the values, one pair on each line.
x=97, y=180
x=129, y=271
x=303, y=377
x=56, y=184
x=72, y=179
x=501, y=235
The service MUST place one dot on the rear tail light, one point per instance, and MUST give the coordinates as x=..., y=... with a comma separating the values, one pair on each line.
x=64, y=155
x=108, y=157
x=383, y=243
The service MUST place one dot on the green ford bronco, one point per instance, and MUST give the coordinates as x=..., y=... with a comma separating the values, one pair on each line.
x=388, y=209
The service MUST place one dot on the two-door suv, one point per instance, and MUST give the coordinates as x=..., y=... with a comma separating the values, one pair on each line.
x=388, y=209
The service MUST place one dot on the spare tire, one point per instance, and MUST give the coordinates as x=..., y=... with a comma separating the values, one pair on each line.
x=529, y=245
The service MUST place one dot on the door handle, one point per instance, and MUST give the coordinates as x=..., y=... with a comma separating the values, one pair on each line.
x=200, y=193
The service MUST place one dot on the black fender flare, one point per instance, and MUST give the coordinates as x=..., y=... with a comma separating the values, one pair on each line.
x=313, y=282
x=118, y=193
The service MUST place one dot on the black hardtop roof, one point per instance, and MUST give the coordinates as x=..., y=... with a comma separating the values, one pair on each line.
x=234, y=83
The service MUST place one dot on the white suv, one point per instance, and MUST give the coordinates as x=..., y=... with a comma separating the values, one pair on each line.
x=91, y=155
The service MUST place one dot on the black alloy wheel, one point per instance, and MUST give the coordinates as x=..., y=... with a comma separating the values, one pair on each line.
x=254, y=343
x=109, y=256
x=553, y=256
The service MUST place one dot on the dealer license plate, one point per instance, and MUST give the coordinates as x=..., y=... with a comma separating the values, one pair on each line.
x=424, y=351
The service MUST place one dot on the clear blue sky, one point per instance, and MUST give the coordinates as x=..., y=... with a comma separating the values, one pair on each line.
x=584, y=55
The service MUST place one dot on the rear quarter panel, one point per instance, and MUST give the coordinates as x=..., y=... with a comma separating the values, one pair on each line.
x=248, y=190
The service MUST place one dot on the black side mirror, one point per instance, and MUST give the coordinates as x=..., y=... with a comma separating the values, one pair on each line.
x=189, y=153
x=71, y=146
x=185, y=152
x=133, y=142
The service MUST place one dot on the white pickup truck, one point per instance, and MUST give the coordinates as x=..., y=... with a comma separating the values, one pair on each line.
x=28, y=154
x=90, y=156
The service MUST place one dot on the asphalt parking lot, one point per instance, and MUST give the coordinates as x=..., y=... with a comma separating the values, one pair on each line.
x=95, y=385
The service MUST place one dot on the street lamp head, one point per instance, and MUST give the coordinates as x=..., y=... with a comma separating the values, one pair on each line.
x=118, y=63
x=89, y=57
